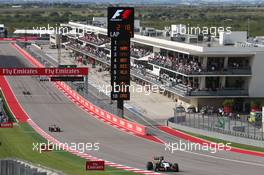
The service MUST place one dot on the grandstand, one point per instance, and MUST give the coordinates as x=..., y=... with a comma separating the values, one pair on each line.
x=196, y=74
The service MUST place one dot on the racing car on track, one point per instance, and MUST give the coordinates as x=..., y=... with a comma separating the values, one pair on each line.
x=54, y=128
x=160, y=165
x=26, y=93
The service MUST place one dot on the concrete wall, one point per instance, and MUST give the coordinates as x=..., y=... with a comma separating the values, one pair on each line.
x=257, y=81
x=232, y=38
x=221, y=136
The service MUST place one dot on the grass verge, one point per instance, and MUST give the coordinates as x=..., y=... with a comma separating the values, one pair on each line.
x=17, y=142
x=6, y=108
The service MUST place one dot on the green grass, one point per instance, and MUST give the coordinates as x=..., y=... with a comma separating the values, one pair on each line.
x=233, y=144
x=151, y=16
x=6, y=108
x=18, y=142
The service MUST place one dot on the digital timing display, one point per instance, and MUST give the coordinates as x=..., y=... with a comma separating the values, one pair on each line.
x=120, y=29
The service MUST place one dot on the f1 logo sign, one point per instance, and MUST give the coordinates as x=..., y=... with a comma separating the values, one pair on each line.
x=124, y=14
x=120, y=22
x=117, y=13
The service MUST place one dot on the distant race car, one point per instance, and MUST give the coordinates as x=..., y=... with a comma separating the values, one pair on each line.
x=160, y=165
x=54, y=128
x=26, y=93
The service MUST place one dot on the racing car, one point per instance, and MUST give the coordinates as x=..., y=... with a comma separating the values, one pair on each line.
x=54, y=128
x=160, y=165
x=26, y=93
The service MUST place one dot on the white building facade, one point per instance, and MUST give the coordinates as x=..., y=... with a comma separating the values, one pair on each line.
x=221, y=71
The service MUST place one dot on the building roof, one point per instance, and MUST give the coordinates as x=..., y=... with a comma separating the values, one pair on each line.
x=188, y=48
x=35, y=32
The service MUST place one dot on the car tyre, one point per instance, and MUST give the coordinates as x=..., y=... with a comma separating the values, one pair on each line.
x=156, y=167
x=176, y=167
x=149, y=166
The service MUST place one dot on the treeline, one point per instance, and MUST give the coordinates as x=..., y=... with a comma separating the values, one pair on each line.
x=239, y=18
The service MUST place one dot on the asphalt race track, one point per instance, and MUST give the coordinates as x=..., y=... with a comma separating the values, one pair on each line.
x=47, y=105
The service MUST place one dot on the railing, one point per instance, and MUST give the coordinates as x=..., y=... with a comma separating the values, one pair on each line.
x=230, y=124
x=222, y=92
x=93, y=43
x=175, y=89
x=10, y=166
x=228, y=71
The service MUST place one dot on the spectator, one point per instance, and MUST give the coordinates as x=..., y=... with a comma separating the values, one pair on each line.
x=139, y=52
x=95, y=39
x=186, y=66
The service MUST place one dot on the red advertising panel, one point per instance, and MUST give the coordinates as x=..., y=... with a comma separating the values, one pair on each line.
x=95, y=165
x=6, y=125
x=20, y=38
x=43, y=71
x=7, y=39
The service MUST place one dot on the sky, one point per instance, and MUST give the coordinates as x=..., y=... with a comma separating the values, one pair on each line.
x=131, y=1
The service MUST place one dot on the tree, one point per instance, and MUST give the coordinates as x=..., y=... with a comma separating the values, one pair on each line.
x=54, y=15
x=202, y=15
x=186, y=15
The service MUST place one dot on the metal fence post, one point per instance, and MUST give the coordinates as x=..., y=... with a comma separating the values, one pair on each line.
x=208, y=122
x=203, y=121
x=254, y=132
x=198, y=121
x=248, y=129
x=191, y=124
x=262, y=132
x=229, y=124
x=194, y=122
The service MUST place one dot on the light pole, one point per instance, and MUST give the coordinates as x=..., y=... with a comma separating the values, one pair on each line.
x=58, y=38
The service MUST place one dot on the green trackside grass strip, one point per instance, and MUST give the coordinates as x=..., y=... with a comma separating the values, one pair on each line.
x=6, y=108
x=18, y=142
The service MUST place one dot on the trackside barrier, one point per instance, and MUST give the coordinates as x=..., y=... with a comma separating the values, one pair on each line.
x=7, y=39
x=13, y=166
x=130, y=126
x=28, y=56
